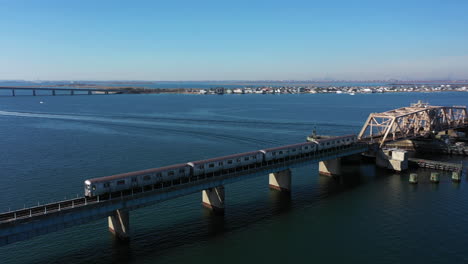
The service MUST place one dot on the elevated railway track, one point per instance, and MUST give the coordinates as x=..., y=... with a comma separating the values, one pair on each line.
x=29, y=222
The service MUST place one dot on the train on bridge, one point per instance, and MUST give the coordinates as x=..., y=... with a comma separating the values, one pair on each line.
x=187, y=172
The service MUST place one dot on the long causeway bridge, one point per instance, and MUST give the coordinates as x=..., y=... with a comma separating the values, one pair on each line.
x=35, y=91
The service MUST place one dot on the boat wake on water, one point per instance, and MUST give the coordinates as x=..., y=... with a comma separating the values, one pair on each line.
x=144, y=126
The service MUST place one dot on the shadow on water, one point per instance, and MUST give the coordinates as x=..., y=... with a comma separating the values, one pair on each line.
x=280, y=202
x=216, y=223
x=121, y=250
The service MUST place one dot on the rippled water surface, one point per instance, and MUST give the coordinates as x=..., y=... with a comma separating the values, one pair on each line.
x=368, y=214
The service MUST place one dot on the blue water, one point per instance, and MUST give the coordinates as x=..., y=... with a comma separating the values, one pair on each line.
x=367, y=215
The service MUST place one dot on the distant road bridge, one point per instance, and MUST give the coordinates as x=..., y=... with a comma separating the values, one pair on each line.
x=53, y=90
x=418, y=120
x=26, y=223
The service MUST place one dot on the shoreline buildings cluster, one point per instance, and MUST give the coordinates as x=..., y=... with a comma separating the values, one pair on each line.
x=260, y=89
x=332, y=89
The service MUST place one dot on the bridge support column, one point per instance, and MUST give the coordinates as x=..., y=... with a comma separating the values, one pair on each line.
x=330, y=167
x=213, y=199
x=53, y=92
x=280, y=180
x=396, y=160
x=72, y=92
x=119, y=224
x=34, y=92
x=13, y=92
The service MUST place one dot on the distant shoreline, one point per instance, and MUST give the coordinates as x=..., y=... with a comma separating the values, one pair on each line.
x=263, y=89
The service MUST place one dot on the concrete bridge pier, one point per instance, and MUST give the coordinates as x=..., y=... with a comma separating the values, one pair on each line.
x=119, y=224
x=396, y=160
x=213, y=198
x=330, y=167
x=34, y=92
x=13, y=92
x=280, y=180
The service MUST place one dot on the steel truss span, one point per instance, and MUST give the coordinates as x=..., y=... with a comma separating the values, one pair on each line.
x=418, y=120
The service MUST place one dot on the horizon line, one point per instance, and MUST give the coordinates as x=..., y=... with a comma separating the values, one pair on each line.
x=266, y=80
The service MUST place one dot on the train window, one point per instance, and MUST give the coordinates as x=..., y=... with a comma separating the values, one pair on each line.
x=328, y=143
x=281, y=152
x=220, y=163
x=94, y=187
x=146, y=178
x=229, y=161
x=246, y=158
x=211, y=165
x=106, y=184
x=121, y=182
x=201, y=166
x=171, y=173
x=181, y=170
x=306, y=147
x=134, y=179
x=293, y=150
x=254, y=157
x=159, y=175
x=347, y=139
x=238, y=160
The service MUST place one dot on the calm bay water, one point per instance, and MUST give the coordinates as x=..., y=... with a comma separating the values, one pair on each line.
x=368, y=214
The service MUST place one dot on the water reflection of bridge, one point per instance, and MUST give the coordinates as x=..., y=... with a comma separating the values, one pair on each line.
x=418, y=120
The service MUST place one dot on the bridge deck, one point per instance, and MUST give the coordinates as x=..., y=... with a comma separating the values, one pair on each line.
x=157, y=188
x=29, y=222
x=60, y=89
x=438, y=165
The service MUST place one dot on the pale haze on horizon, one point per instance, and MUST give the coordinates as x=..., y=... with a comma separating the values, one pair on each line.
x=233, y=40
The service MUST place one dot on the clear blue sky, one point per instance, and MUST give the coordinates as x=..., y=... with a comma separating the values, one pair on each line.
x=233, y=40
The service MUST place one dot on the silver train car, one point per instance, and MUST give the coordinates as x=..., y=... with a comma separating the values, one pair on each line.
x=333, y=142
x=284, y=152
x=194, y=170
x=164, y=175
x=226, y=163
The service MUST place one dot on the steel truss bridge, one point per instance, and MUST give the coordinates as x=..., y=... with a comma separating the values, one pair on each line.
x=418, y=120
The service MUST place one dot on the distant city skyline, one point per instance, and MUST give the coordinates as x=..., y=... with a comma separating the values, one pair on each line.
x=239, y=40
